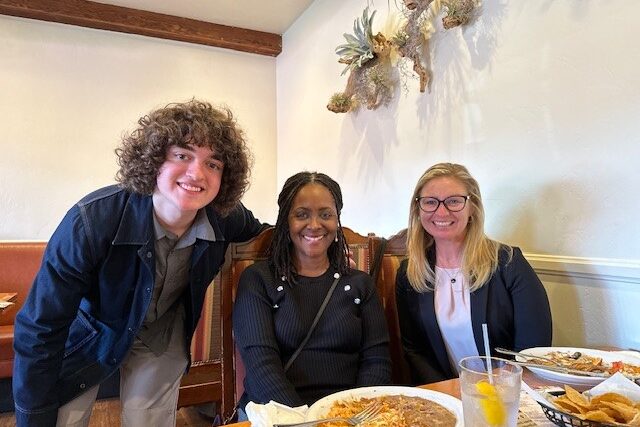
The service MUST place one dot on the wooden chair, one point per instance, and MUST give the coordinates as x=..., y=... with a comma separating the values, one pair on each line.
x=239, y=257
x=394, y=251
x=203, y=383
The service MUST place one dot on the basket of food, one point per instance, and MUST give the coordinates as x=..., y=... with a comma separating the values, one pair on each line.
x=572, y=408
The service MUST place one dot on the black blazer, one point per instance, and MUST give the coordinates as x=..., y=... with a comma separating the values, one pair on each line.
x=513, y=303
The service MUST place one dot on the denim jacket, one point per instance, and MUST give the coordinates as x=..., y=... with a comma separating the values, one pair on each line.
x=91, y=294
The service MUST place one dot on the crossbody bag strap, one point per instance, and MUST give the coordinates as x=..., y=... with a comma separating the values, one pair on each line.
x=313, y=325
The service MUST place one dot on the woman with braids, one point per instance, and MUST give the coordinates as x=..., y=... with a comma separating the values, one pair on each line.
x=278, y=299
x=456, y=278
x=124, y=275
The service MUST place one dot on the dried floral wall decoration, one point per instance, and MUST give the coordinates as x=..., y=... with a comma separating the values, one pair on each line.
x=369, y=59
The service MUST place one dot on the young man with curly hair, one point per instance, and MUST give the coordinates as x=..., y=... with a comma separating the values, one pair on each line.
x=123, y=278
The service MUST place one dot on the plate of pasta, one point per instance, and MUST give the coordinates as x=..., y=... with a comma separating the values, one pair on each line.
x=402, y=407
x=582, y=359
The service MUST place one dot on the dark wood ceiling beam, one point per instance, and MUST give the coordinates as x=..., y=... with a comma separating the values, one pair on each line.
x=126, y=20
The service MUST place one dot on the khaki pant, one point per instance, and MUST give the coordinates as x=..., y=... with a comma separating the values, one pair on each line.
x=148, y=388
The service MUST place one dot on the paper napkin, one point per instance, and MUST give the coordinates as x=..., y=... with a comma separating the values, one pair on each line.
x=265, y=415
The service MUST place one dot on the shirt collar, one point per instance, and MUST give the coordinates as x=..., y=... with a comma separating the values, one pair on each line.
x=199, y=229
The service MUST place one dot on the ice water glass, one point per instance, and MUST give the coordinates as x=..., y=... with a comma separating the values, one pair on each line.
x=490, y=402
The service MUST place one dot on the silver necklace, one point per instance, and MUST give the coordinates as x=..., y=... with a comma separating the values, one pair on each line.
x=452, y=278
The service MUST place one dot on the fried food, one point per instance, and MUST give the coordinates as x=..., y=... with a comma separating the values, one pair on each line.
x=398, y=411
x=611, y=408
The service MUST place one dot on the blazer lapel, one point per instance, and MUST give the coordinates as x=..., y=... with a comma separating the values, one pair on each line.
x=479, y=301
x=429, y=320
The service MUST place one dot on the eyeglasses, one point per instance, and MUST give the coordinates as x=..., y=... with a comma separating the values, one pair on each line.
x=452, y=203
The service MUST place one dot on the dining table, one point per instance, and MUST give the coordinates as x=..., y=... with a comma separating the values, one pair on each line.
x=7, y=297
x=452, y=388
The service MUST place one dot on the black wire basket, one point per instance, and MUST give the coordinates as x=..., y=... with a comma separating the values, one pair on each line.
x=565, y=420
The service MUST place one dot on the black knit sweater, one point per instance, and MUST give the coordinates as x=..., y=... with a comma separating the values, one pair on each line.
x=348, y=348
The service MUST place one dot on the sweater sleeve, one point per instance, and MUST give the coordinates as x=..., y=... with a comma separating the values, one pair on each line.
x=421, y=361
x=375, y=363
x=531, y=312
x=254, y=331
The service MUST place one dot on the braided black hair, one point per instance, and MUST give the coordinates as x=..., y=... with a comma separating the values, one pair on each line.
x=280, y=256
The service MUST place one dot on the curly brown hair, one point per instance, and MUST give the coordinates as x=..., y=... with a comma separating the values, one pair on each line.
x=193, y=123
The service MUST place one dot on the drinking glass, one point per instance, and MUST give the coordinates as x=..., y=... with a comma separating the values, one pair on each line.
x=490, y=402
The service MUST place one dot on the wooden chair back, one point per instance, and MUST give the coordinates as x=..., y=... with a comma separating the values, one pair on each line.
x=394, y=251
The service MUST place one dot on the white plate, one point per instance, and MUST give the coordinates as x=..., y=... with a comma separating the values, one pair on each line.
x=607, y=357
x=321, y=408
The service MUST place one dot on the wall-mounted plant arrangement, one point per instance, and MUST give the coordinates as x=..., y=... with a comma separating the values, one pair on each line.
x=372, y=60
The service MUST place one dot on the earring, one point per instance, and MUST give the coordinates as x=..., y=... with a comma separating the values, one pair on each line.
x=336, y=239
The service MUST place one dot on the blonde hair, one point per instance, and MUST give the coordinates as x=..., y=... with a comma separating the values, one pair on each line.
x=479, y=253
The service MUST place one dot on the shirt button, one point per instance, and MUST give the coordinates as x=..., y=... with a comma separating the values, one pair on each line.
x=130, y=329
x=347, y=287
x=280, y=288
x=149, y=255
x=148, y=289
x=82, y=386
x=357, y=300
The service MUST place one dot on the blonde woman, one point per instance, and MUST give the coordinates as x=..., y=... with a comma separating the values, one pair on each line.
x=456, y=278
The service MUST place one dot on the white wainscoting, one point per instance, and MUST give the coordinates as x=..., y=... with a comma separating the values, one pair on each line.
x=594, y=301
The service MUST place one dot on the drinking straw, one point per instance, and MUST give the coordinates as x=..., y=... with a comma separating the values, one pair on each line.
x=487, y=352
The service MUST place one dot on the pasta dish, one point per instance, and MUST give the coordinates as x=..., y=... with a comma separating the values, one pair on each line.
x=397, y=411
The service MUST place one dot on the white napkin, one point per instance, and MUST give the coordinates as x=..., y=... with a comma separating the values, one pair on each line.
x=274, y=413
x=617, y=383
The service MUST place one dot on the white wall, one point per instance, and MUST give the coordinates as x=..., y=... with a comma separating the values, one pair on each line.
x=67, y=95
x=540, y=99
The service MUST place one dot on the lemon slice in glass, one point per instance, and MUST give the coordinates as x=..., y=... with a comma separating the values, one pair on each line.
x=492, y=406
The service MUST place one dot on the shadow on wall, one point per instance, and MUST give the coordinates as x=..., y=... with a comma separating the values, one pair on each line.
x=369, y=135
x=457, y=55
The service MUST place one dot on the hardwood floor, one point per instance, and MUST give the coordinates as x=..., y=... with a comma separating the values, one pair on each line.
x=106, y=413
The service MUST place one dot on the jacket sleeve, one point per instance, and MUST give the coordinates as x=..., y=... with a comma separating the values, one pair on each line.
x=422, y=363
x=42, y=325
x=243, y=225
x=531, y=313
x=375, y=363
x=255, y=336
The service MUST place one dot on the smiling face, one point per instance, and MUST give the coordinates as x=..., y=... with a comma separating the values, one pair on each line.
x=313, y=225
x=443, y=225
x=187, y=181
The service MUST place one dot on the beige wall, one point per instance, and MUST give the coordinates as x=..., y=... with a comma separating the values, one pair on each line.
x=540, y=99
x=69, y=93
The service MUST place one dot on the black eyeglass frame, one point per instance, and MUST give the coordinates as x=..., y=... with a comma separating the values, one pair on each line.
x=442, y=202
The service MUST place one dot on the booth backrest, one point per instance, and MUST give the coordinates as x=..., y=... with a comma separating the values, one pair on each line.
x=19, y=263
